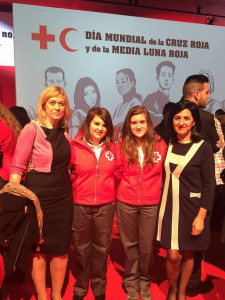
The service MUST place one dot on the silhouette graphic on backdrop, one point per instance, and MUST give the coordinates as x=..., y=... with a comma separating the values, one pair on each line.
x=126, y=86
x=212, y=105
x=55, y=76
x=157, y=100
x=86, y=95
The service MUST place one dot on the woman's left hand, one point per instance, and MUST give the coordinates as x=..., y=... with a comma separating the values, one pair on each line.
x=197, y=225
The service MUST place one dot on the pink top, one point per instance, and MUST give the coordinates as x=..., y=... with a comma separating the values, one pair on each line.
x=33, y=147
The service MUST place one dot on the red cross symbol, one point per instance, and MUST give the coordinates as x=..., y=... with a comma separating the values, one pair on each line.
x=157, y=156
x=109, y=156
x=43, y=37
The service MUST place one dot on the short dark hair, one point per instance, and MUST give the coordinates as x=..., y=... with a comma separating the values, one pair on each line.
x=193, y=83
x=104, y=114
x=220, y=112
x=196, y=129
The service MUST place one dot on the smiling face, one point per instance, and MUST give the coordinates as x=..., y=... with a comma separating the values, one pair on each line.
x=138, y=126
x=90, y=95
x=97, y=130
x=182, y=124
x=123, y=83
x=55, y=109
x=166, y=77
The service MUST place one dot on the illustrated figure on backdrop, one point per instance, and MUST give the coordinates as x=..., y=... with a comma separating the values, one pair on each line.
x=45, y=143
x=9, y=132
x=223, y=105
x=157, y=100
x=140, y=157
x=183, y=225
x=93, y=196
x=55, y=76
x=86, y=95
x=126, y=86
x=20, y=114
x=212, y=105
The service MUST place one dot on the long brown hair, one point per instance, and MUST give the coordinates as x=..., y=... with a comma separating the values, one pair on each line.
x=129, y=143
x=8, y=118
x=105, y=116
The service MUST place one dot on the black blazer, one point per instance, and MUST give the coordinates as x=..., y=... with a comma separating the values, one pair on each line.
x=208, y=129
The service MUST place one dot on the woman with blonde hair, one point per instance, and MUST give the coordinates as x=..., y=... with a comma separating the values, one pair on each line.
x=140, y=157
x=46, y=145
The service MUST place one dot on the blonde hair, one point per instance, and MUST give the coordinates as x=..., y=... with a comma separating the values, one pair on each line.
x=8, y=118
x=50, y=92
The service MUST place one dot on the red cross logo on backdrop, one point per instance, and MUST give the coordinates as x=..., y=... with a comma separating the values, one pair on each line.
x=43, y=37
x=157, y=156
x=109, y=156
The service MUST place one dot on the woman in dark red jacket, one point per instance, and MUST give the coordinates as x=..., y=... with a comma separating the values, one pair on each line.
x=93, y=194
x=141, y=154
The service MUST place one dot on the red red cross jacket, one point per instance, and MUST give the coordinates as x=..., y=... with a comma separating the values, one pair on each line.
x=92, y=180
x=140, y=186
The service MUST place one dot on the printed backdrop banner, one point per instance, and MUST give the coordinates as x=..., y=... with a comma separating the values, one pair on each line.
x=113, y=61
x=6, y=40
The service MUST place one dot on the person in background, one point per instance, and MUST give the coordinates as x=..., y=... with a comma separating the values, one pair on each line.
x=46, y=145
x=86, y=96
x=183, y=224
x=20, y=114
x=220, y=115
x=196, y=89
x=161, y=128
x=93, y=195
x=218, y=211
x=9, y=132
x=140, y=157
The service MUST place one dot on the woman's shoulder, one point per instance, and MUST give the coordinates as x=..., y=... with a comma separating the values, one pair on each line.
x=206, y=146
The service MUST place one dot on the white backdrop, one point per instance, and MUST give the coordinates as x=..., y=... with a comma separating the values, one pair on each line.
x=202, y=47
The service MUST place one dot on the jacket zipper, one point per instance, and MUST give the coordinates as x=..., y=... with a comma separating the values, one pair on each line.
x=139, y=184
x=18, y=253
x=96, y=175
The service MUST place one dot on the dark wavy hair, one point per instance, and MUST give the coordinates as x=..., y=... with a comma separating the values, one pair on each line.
x=129, y=144
x=196, y=129
x=79, y=100
x=129, y=74
x=104, y=114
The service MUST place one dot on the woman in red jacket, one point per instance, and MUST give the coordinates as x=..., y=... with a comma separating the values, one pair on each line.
x=141, y=154
x=93, y=194
x=9, y=131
